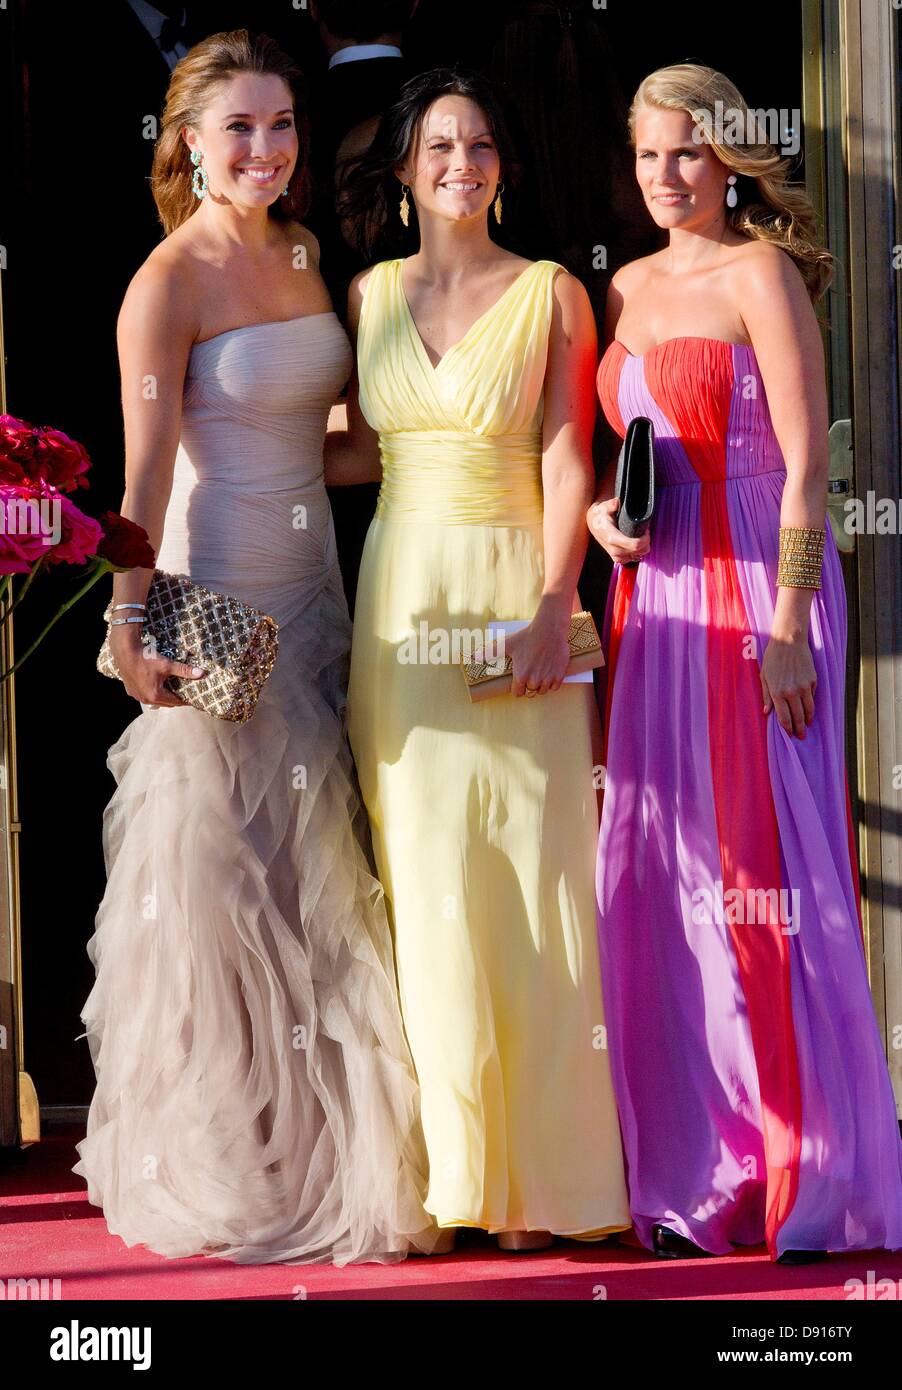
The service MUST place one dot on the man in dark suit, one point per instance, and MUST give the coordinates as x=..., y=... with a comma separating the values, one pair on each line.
x=366, y=66
x=366, y=70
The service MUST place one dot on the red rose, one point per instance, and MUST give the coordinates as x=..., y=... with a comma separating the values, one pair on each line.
x=16, y=449
x=38, y=454
x=15, y=438
x=125, y=544
x=61, y=461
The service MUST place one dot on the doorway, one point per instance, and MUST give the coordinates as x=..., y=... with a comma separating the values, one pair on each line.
x=75, y=240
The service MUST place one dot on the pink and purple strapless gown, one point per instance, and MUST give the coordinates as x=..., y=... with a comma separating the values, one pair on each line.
x=754, y=1096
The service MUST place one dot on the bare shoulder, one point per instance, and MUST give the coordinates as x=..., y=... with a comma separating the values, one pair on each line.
x=772, y=300
x=570, y=294
x=361, y=280
x=163, y=292
x=634, y=274
x=760, y=269
x=298, y=235
x=356, y=294
x=572, y=318
x=357, y=287
x=771, y=296
x=631, y=279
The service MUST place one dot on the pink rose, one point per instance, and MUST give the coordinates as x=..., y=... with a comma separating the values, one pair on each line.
x=80, y=536
x=25, y=520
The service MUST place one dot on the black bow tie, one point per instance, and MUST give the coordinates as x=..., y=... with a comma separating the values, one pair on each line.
x=173, y=32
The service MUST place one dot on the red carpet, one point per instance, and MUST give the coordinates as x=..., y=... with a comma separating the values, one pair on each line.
x=48, y=1229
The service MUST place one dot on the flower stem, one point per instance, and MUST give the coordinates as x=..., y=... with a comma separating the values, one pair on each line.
x=96, y=572
x=17, y=598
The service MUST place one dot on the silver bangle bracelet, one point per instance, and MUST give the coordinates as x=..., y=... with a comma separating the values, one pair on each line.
x=118, y=622
x=129, y=605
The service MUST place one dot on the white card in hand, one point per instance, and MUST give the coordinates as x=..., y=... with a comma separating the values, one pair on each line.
x=507, y=625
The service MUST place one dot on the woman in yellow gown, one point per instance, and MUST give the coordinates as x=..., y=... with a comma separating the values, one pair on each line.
x=474, y=395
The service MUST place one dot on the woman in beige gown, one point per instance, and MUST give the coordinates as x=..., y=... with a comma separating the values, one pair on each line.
x=255, y=1096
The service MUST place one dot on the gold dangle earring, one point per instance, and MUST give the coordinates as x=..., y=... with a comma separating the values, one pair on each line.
x=405, y=207
x=498, y=191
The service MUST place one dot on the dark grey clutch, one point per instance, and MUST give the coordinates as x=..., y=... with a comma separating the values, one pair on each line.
x=635, y=485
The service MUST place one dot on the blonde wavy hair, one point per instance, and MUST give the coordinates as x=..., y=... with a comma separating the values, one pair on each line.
x=769, y=207
x=193, y=83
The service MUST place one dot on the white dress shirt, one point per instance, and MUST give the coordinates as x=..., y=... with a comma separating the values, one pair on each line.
x=364, y=50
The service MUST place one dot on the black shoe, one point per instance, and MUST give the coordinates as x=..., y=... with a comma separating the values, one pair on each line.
x=801, y=1257
x=668, y=1245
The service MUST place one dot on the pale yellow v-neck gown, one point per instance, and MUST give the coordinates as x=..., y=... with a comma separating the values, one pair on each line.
x=484, y=816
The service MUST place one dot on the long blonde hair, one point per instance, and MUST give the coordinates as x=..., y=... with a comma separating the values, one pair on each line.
x=770, y=208
x=212, y=61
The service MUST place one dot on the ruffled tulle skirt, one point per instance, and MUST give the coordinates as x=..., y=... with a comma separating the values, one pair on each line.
x=255, y=1095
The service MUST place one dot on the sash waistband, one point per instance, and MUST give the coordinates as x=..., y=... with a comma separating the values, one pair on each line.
x=462, y=479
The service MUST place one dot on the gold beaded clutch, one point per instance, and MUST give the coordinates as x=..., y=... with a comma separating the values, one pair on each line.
x=486, y=678
x=234, y=643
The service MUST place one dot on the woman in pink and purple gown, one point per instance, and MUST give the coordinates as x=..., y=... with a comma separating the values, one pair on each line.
x=753, y=1091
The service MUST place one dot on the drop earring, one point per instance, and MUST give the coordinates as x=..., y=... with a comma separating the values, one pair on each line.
x=498, y=191
x=200, y=182
x=732, y=197
x=405, y=207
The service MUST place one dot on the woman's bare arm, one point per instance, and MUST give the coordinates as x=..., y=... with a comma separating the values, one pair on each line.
x=351, y=453
x=603, y=511
x=540, y=653
x=784, y=333
x=568, y=475
x=155, y=332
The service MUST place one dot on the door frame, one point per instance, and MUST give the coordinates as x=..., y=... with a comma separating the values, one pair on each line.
x=853, y=151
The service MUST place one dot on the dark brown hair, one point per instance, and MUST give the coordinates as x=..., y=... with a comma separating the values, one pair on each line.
x=370, y=192
x=579, y=196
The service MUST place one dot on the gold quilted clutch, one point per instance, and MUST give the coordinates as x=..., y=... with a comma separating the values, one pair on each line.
x=234, y=643
x=485, y=678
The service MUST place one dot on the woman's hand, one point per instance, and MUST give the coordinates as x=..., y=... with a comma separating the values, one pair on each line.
x=143, y=675
x=788, y=680
x=540, y=655
x=600, y=519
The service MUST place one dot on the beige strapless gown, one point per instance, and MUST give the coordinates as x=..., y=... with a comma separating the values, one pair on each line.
x=255, y=1096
